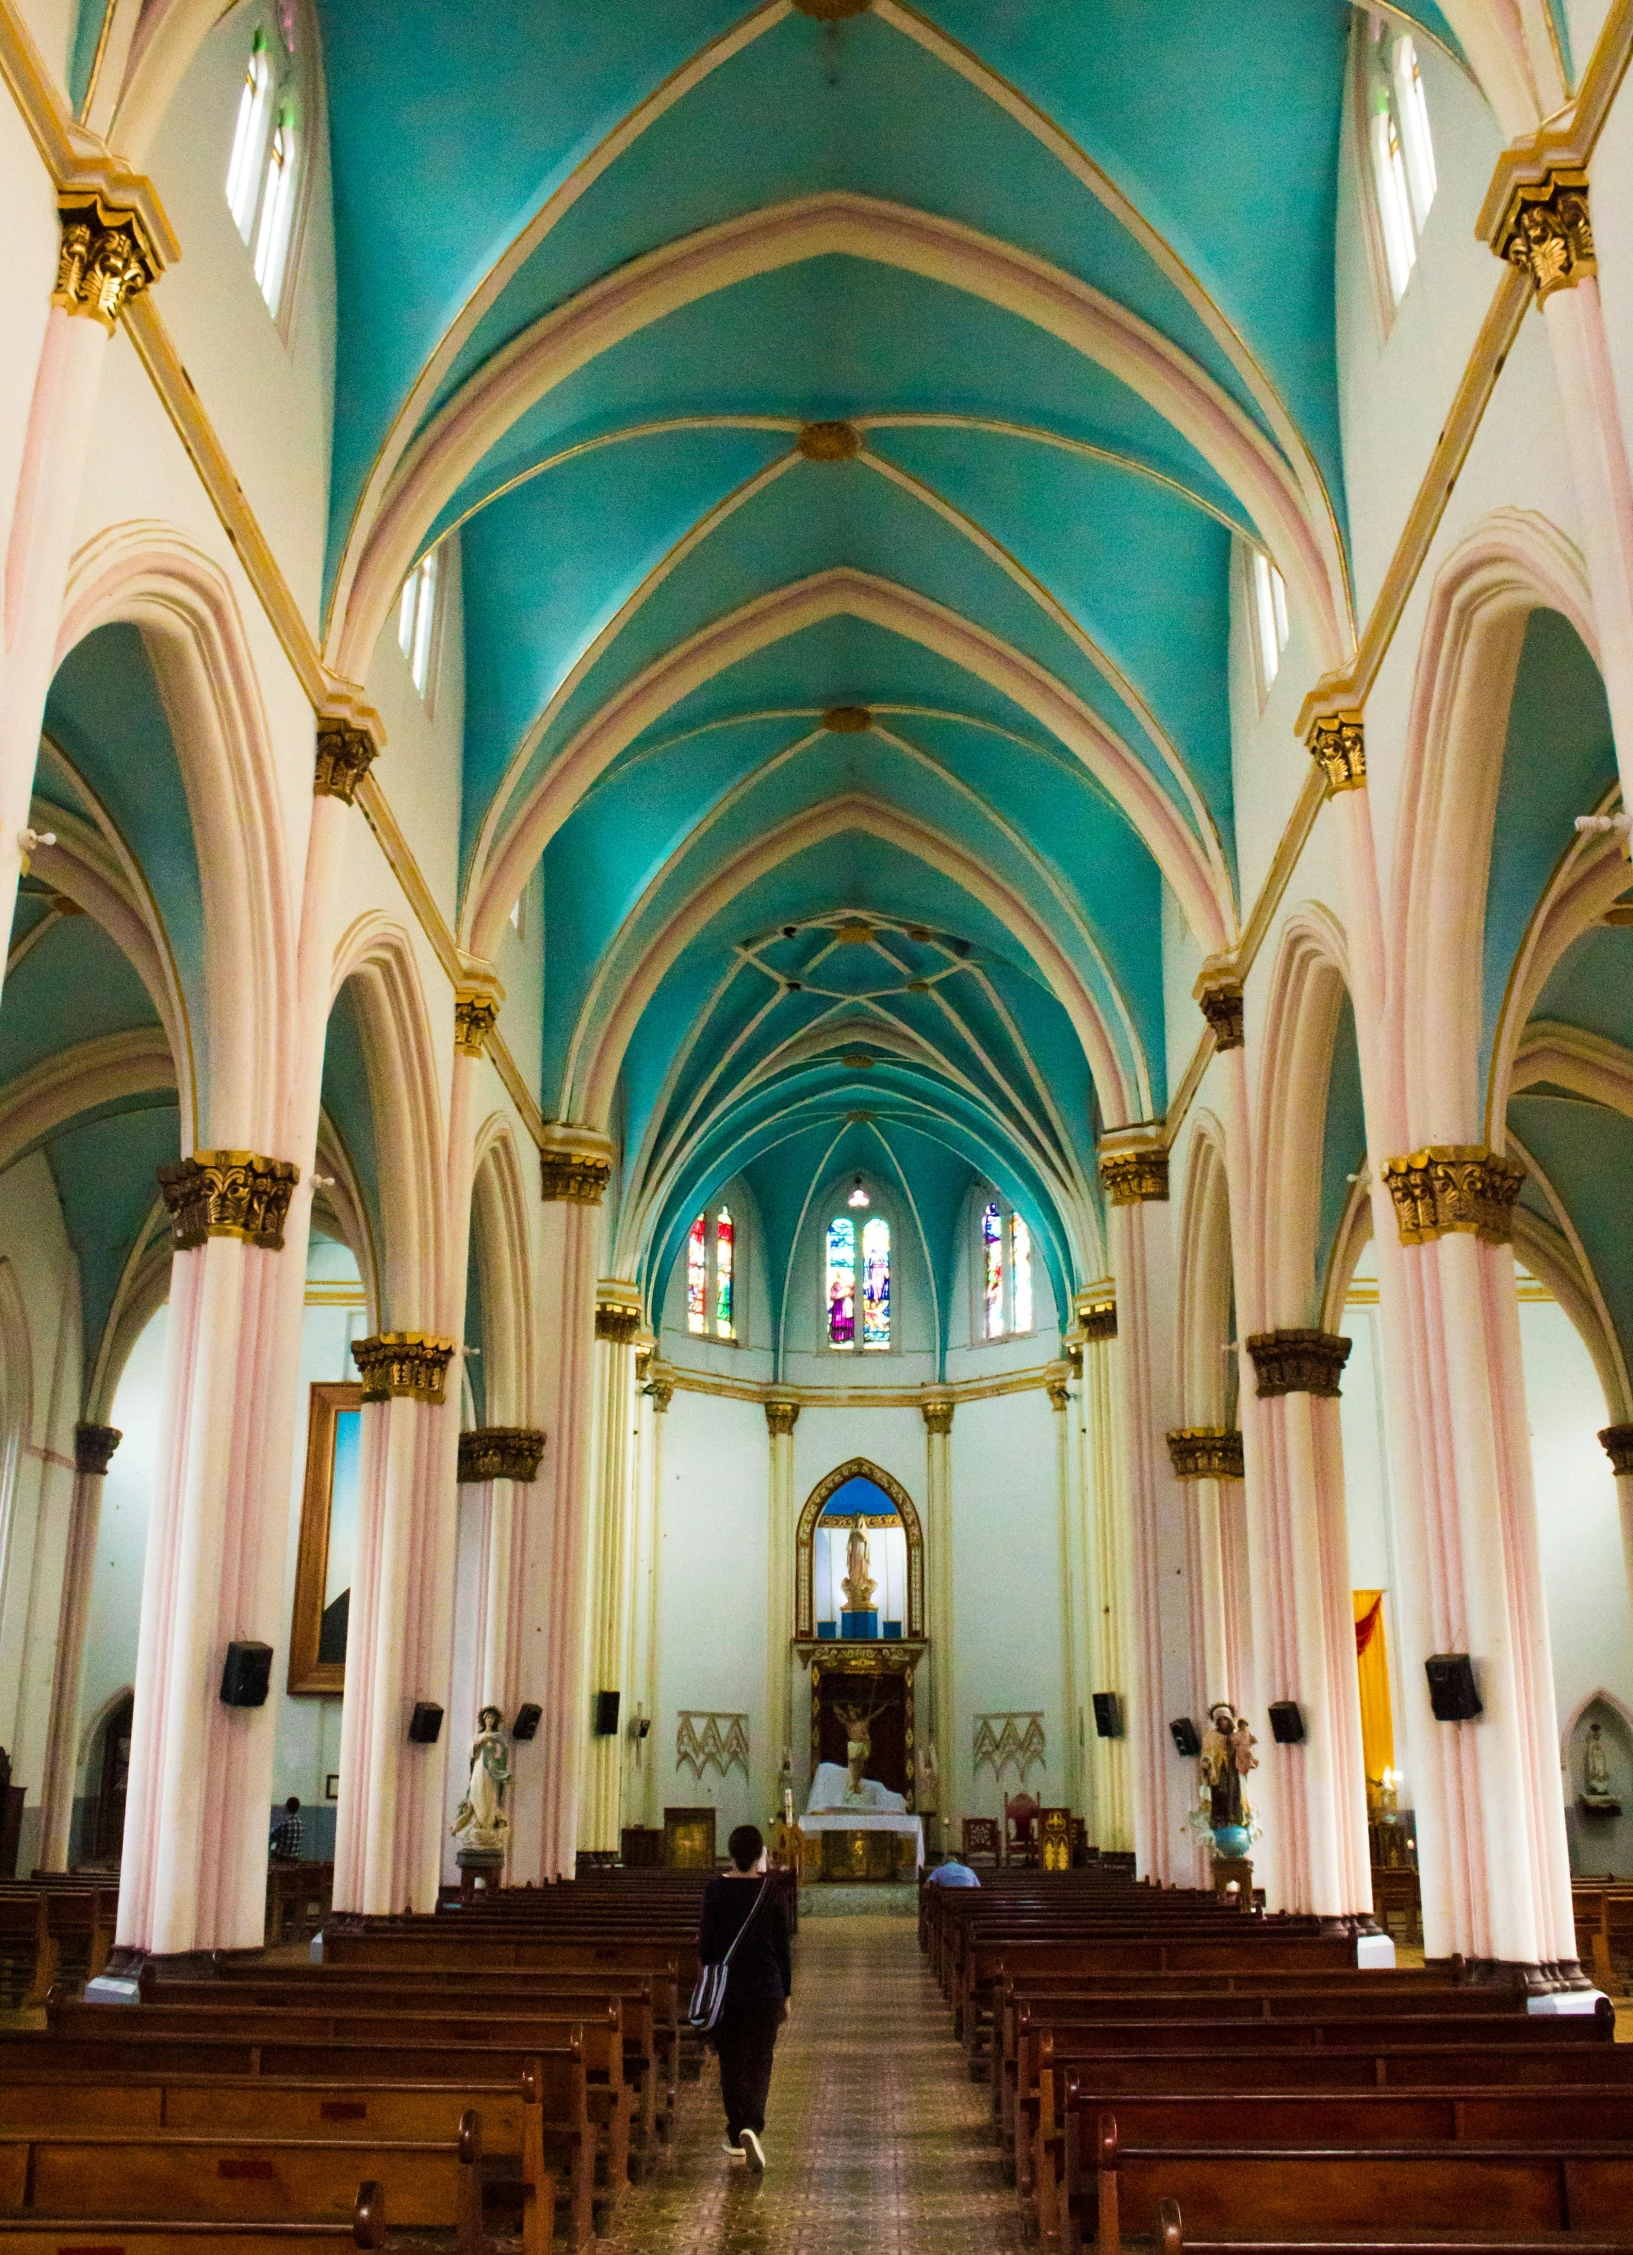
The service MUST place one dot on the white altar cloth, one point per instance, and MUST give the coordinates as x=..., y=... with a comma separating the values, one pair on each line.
x=867, y=1820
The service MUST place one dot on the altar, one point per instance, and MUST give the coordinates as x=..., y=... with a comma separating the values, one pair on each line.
x=861, y=1844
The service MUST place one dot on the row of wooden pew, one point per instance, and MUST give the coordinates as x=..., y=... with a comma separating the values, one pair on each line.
x=502, y=2072
x=50, y=1922
x=1220, y=2080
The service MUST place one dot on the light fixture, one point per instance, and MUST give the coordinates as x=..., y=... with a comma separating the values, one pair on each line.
x=858, y=1196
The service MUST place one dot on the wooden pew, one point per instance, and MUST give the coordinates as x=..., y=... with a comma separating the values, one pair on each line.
x=42, y=2234
x=1247, y=2194
x=38, y=1916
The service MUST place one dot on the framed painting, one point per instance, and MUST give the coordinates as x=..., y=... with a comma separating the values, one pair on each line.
x=328, y=1545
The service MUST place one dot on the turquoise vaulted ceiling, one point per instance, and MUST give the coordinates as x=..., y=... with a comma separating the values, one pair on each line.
x=847, y=414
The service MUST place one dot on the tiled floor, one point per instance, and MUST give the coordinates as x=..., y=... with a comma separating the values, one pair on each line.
x=877, y=2142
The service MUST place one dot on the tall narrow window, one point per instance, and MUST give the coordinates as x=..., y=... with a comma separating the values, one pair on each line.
x=697, y=1277
x=1269, y=616
x=1400, y=146
x=417, y=618
x=992, y=1275
x=277, y=211
x=841, y=1290
x=876, y=1282
x=249, y=138
x=724, y=1237
x=1020, y=1271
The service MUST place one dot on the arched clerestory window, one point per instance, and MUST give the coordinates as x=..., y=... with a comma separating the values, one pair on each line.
x=1004, y=1270
x=711, y=1275
x=265, y=169
x=1400, y=146
x=857, y=1282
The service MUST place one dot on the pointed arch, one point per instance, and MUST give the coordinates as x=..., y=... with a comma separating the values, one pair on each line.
x=858, y=1468
x=1309, y=983
x=500, y=1224
x=1206, y=1279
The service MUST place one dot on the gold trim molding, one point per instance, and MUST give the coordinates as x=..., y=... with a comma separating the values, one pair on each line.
x=228, y=1194
x=499, y=1452
x=1337, y=744
x=1450, y=1187
x=1546, y=232
x=94, y=1446
x=1298, y=1362
x=1617, y=1443
x=1205, y=1452
x=1135, y=1175
x=406, y=1365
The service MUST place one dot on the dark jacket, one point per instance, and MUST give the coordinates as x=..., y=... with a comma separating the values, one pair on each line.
x=763, y=1966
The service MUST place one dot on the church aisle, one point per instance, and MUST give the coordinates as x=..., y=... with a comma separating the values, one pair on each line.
x=876, y=2139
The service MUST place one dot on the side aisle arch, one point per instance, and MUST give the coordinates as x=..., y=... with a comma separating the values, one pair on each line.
x=857, y=1468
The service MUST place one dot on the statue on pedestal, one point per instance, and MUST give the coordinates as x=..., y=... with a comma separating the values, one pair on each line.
x=858, y=1585
x=1596, y=1767
x=1227, y=1757
x=481, y=1817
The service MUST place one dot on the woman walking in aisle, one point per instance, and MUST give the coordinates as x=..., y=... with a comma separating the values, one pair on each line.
x=746, y=1928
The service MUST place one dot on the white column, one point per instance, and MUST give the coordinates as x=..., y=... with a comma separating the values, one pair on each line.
x=193, y=1875
x=115, y=242
x=1134, y=1174
x=1106, y=1549
x=1617, y=1443
x=1069, y=1522
x=93, y=1453
x=940, y=1627
x=781, y=1416
x=496, y=1460
x=611, y=1591
x=660, y=1393
x=576, y=1167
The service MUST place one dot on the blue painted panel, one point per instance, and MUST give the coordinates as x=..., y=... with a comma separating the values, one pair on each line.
x=1343, y=1142
x=1592, y=985
x=75, y=984
x=1587, y=1152
x=349, y=1103
x=104, y=1170
x=1559, y=759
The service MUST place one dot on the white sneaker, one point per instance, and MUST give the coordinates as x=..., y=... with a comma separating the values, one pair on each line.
x=735, y=2151
x=753, y=2152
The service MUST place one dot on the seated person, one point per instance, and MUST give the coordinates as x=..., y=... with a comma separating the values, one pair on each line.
x=288, y=1832
x=952, y=1873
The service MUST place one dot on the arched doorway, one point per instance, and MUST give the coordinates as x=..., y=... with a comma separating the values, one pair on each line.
x=110, y=1778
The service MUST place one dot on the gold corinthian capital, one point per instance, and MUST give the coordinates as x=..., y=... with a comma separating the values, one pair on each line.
x=1447, y=1187
x=106, y=257
x=228, y=1194
x=1547, y=233
x=407, y=1364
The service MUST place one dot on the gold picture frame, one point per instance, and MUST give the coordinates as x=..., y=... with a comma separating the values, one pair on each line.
x=321, y=1614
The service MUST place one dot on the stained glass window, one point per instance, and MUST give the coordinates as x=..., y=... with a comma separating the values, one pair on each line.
x=724, y=1238
x=249, y=137
x=1020, y=1272
x=697, y=1277
x=992, y=1276
x=842, y=1281
x=876, y=1283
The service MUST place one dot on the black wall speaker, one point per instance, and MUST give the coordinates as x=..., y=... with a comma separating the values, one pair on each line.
x=1453, y=1694
x=1286, y=1723
x=246, y=1675
x=425, y=1724
x=526, y=1725
x=606, y=1714
x=1108, y=1714
x=1185, y=1736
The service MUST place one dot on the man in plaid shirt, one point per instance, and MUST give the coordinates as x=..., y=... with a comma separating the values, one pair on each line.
x=286, y=1833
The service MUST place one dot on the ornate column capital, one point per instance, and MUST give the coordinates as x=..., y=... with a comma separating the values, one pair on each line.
x=499, y=1452
x=1095, y=1311
x=94, y=1446
x=780, y=1418
x=1218, y=991
x=1617, y=1443
x=1298, y=1362
x=110, y=249
x=1337, y=744
x=409, y=1364
x=1453, y=1186
x=228, y=1194
x=351, y=736
x=829, y=442
x=618, y=1311
x=1205, y=1452
x=1055, y=1388
x=1545, y=230
x=575, y=1165
x=938, y=1413
x=476, y=1013
x=662, y=1391
x=646, y=1346
x=1134, y=1174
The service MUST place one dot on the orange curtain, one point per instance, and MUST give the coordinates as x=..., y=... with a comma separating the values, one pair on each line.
x=1372, y=1667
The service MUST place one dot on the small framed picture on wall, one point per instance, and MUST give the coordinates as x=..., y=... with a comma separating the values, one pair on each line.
x=331, y=1786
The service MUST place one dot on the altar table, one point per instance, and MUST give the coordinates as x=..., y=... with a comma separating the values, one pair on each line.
x=861, y=1843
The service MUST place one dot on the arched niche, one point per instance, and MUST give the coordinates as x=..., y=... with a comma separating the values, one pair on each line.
x=857, y=1468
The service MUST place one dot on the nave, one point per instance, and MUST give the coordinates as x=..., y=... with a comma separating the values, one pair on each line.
x=877, y=2141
